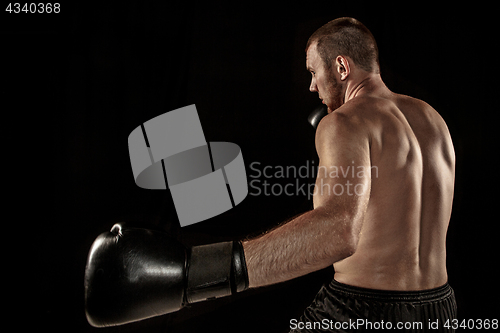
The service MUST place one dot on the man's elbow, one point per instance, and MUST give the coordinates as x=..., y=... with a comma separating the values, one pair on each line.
x=347, y=233
x=351, y=245
x=343, y=247
x=350, y=239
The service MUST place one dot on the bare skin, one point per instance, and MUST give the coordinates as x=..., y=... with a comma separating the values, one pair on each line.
x=387, y=229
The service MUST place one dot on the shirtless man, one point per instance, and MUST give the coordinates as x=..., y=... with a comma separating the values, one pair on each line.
x=383, y=227
x=388, y=237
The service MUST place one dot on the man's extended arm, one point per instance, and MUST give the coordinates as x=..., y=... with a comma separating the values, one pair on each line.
x=329, y=232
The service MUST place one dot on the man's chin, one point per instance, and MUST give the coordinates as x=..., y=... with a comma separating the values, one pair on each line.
x=332, y=108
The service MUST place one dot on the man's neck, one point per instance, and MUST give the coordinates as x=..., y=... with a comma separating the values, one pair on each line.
x=367, y=84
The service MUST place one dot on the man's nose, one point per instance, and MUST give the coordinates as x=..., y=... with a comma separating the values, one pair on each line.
x=313, y=87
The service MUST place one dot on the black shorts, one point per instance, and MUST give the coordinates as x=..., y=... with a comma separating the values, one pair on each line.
x=342, y=308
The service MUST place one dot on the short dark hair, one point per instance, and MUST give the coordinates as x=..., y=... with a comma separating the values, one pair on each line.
x=348, y=37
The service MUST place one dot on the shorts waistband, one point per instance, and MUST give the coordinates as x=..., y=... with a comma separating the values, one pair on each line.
x=428, y=295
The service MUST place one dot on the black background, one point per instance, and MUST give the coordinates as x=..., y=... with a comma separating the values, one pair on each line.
x=75, y=84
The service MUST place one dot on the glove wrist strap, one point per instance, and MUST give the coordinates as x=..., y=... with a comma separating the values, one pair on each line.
x=216, y=270
x=240, y=273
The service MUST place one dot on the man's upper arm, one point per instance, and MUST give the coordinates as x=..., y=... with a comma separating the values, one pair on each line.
x=343, y=181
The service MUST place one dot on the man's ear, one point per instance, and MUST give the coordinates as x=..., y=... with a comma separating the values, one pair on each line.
x=343, y=67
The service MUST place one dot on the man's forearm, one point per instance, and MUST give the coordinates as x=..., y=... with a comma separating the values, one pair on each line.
x=311, y=241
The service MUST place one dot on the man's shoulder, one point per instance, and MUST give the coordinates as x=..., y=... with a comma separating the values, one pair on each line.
x=375, y=104
x=377, y=109
x=366, y=107
x=362, y=114
x=343, y=124
x=409, y=103
x=420, y=114
x=368, y=114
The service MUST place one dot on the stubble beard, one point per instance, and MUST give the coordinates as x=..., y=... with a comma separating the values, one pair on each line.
x=335, y=93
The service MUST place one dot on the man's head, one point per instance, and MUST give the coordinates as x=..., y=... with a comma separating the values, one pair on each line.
x=333, y=52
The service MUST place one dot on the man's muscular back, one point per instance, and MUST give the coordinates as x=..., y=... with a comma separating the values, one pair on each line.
x=402, y=239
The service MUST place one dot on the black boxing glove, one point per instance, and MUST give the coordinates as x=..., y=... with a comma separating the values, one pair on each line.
x=316, y=116
x=133, y=274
